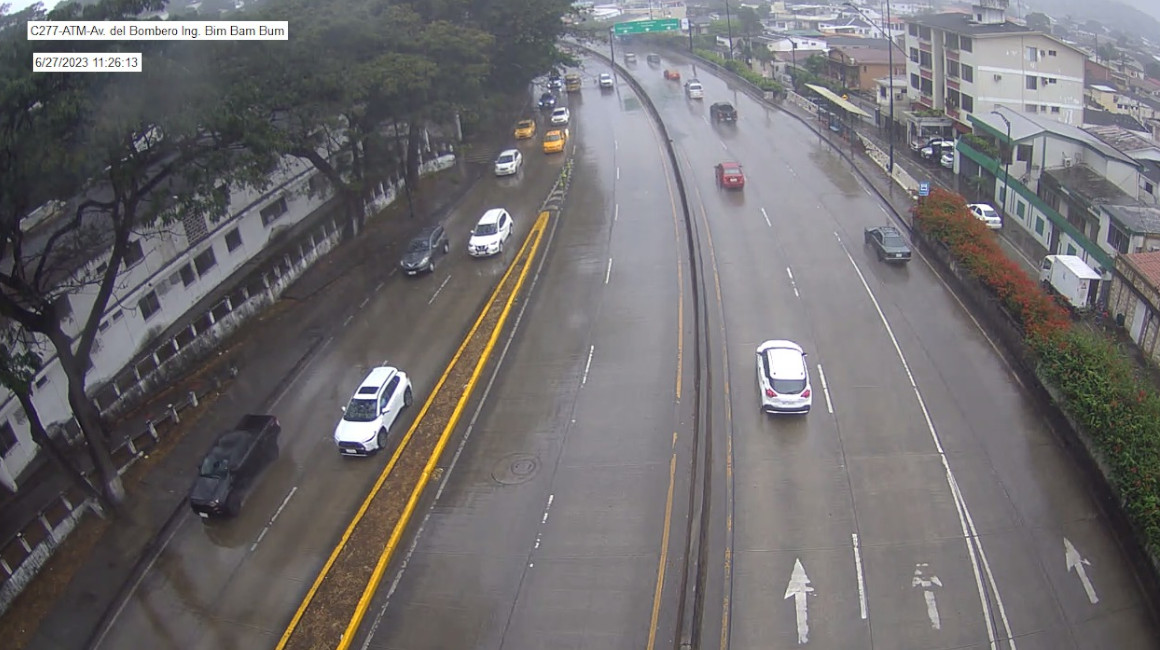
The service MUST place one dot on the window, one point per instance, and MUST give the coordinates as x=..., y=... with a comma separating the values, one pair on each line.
x=924, y=33
x=205, y=261
x=965, y=44
x=968, y=73
x=1117, y=238
x=102, y=267
x=952, y=69
x=951, y=41
x=927, y=87
x=1070, y=249
x=924, y=59
x=42, y=382
x=912, y=29
x=1054, y=109
x=1038, y=225
x=1051, y=53
x=1020, y=209
x=8, y=439
x=914, y=81
x=952, y=98
x=1032, y=83
x=1148, y=187
x=1023, y=152
x=103, y=326
x=1032, y=54
x=914, y=54
x=968, y=103
x=133, y=253
x=149, y=305
x=271, y=212
x=186, y=274
x=233, y=240
x=1047, y=80
x=1031, y=108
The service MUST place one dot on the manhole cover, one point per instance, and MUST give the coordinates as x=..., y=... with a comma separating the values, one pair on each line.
x=514, y=469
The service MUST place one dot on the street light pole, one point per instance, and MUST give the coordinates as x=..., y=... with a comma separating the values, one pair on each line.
x=885, y=29
x=729, y=25
x=1006, y=159
x=793, y=66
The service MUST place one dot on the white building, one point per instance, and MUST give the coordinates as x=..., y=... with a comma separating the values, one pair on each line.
x=968, y=65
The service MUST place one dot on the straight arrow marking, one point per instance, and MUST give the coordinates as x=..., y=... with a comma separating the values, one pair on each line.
x=928, y=593
x=798, y=587
x=1077, y=562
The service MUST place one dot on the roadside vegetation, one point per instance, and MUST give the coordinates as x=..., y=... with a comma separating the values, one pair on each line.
x=1102, y=388
x=350, y=92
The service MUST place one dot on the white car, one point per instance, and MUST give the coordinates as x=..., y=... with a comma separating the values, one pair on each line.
x=947, y=160
x=561, y=116
x=488, y=236
x=606, y=79
x=987, y=215
x=375, y=406
x=509, y=162
x=694, y=89
x=783, y=378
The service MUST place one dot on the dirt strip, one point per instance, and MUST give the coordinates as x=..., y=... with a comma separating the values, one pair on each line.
x=330, y=610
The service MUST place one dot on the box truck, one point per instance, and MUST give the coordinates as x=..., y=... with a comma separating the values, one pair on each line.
x=1070, y=277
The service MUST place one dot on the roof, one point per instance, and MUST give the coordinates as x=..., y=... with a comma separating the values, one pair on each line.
x=857, y=41
x=865, y=55
x=1027, y=125
x=1076, y=265
x=964, y=24
x=378, y=376
x=1146, y=264
x=1081, y=180
x=1095, y=117
x=1102, y=88
x=1125, y=140
x=847, y=106
x=493, y=214
x=1140, y=219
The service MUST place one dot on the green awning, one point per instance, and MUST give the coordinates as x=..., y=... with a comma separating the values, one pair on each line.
x=847, y=106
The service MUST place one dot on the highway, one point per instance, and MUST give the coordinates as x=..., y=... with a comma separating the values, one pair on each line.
x=923, y=503
x=235, y=584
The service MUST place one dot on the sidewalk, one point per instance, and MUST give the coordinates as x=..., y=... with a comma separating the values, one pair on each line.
x=258, y=361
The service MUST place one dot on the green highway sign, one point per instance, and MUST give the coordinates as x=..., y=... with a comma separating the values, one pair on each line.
x=644, y=26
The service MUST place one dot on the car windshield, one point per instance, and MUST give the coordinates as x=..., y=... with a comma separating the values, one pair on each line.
x=505, y=158
x=360, y=410
x=525, y=124
x=552, y=137
x=418, y=245
x=485, y=229
x=213, y=467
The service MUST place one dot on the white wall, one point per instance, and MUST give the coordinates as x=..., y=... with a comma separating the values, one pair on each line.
x=1061, y=98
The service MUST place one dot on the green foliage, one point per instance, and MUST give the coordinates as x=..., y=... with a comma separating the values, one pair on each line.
x=982, y=145
x=740, y=69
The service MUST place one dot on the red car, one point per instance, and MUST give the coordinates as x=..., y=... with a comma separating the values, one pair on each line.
x=672, y=75
x=729, y=174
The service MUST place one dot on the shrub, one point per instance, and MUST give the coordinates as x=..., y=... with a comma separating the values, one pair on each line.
x=944, y=216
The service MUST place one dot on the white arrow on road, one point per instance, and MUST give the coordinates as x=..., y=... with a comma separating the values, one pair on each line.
x=928, y=593
x=798, y=587
x=1075, y=561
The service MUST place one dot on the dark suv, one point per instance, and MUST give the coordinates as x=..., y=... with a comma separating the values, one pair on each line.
x=228, y=471
x=723, y=112
x=423, y=250
x=547, y=102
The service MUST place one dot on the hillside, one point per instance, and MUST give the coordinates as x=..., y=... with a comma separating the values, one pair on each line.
x=1113, y=14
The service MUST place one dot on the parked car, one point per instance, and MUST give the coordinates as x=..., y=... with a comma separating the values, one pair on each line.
x=921, y=143
x=525, y=129
x=606, y=82
x=509, y=162
x=424, y=249
x=783, y=378
x=654, y=58
x=547, y=102
x=555, y=140
x=372, y=410
x=723, y=112
x=694, y=89
x=560, y=116
x=948, y=159
x=935, y=149
x=730, y=175
x=672, y=75
x=488, y=236
x=231, y=466
x=987, y=215
x=888, y=244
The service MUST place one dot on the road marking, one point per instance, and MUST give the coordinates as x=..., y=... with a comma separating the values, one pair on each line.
x=858, y=566
x=608, y=273
x=584, y=379
x=272, y=519
x=792, y=283
x=392, y=273
x=830, y=408
x=928, y=593
x=1075, y=561
x=966, y=522
x=764, y=214
x=798, y=588
x=379, y=286
x=617, y=173
x=616, y=145
x=724, y=146
x=656, y=608
x=436, y=294
x=616, y=212
x=348, y=320
x=883, y=209
x=543, y=521
x=364, y=302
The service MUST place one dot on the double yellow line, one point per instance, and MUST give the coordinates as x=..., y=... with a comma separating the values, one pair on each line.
x=528, y=254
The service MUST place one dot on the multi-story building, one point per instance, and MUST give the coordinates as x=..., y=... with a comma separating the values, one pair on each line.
x=859, y=68
x=967, y=64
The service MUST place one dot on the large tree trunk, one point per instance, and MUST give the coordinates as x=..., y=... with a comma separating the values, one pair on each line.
x=414, y=138
x=351, y=198
x=57, y=452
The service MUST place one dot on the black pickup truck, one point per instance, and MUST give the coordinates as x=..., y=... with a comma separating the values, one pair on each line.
x=228, y=471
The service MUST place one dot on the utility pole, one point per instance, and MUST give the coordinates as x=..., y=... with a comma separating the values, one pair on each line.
x=729, y=25
x=1006, y=159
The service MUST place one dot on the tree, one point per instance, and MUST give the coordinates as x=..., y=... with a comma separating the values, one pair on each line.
x=1107, y=52
x=749, y=22
x=1152, y=68
x=125, y=152
x=1039, y=22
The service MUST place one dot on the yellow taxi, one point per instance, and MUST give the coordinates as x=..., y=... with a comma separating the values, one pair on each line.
x=525, y=129
x=555, y=140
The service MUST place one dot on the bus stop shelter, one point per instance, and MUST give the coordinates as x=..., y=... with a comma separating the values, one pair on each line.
x=836, y=112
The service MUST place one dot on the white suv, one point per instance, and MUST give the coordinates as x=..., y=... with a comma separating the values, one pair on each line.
x=489, y=235
x=783, y=378
x=375, y=406
x=694, y=89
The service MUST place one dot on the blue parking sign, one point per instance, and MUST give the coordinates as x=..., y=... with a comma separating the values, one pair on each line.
x=924, y=189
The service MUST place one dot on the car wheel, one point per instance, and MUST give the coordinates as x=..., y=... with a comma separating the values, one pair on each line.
x=408, y=397
x=381, y=441
x=501, y=246
x=446, y=247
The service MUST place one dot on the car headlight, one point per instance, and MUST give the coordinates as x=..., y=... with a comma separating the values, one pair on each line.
x=424, y=261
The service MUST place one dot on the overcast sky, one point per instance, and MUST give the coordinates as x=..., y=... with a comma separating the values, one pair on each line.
x=17, y=5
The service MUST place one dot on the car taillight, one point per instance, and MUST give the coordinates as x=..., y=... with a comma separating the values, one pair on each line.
x=769, y=393
x=806, y=393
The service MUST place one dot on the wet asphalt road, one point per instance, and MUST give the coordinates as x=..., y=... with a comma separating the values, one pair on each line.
x=930, y=508
x=235, y=584
x=551, y=528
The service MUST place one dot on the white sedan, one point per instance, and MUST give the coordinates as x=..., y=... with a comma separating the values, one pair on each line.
x=987, y=215
x=508, y=162
x=561, y=116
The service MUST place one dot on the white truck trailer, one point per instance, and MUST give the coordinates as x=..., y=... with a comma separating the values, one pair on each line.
x=1072, y=278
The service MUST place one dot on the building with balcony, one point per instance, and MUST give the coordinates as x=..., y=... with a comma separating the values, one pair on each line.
x=859, y=68
x=969, y=64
